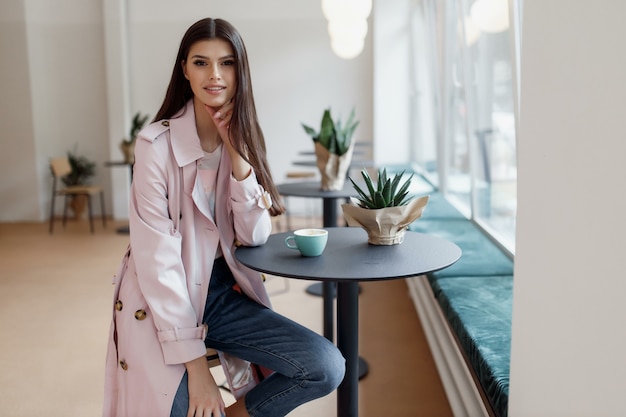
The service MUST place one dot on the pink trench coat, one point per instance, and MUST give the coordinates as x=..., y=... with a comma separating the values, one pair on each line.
x=161, y=287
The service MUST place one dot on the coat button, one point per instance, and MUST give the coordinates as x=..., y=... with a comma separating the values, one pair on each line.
x=119, y=305
x=165, y=122
x=123, y=365
x=140, y=314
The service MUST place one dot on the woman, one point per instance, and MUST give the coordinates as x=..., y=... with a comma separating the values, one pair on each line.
x=201, y=186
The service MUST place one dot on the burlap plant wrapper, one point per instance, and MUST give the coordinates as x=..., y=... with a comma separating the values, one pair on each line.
x=128, y=150
x=333, y=168
x=384, y=226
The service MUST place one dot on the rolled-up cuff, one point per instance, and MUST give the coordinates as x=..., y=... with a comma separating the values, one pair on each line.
x=249, y=192
x=182, y=345
x=246, y=195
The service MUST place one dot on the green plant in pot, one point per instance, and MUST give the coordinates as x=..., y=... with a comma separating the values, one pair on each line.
x=385, y=209
x=333, y=148
x=127, y=146
x=83, y=169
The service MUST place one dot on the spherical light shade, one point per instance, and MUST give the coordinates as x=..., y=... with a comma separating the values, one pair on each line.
x=352, y=28
x=347, y=48
x=490, y=16
x=346, y=9
x=472, y=32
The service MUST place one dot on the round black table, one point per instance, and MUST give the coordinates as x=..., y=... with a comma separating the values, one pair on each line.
x=312, y=189
x=348, y=259
x=354, y=164
x=312, y=153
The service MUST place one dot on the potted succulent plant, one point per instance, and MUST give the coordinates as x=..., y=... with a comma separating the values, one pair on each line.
x=127, y=145
x=333, y=149
x=385, y=209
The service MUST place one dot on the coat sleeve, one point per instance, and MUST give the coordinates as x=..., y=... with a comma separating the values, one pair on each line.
x=250, y=204
x=156, y=248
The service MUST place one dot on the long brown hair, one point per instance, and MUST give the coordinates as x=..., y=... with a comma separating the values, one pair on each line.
x=244, y=127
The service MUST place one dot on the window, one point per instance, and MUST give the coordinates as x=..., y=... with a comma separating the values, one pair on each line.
x=464, y=132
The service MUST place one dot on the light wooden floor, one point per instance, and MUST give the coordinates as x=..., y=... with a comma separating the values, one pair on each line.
x=55, y=307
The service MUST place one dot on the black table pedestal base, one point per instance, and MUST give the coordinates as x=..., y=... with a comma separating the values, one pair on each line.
x=348, y=343
x=364, y=368
x=316, y=290
x=123, y=230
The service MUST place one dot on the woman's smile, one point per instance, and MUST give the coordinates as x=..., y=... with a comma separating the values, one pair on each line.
x=215, y=89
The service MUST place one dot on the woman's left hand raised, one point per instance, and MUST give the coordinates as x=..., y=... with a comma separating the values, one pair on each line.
x=221, y=117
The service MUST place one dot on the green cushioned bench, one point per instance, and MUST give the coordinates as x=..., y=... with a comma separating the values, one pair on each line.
x=480, y=255
x=439, y=208
x=475, y=295
x=478, y=310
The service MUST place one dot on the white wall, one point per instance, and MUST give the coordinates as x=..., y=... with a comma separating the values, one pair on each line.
x=568, y=314
x=71, y=60
x=19, y=183
x=54, y=99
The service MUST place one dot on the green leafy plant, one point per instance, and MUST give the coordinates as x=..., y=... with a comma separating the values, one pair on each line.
x=389, y=192
x=334, y=135
x=137, y=124
x=82, y=170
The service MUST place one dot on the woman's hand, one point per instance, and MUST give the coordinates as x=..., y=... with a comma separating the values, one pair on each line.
x=205, y=399
x=221, y=117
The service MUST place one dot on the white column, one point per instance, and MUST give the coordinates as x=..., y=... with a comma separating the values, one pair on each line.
x=392, y=81
x=118, y=92
x=568, y=339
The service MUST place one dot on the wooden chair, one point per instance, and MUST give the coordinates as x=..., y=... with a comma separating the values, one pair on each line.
x=60, y=167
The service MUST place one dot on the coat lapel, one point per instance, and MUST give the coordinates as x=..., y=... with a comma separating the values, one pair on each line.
x=184, y=136
x=222, y=194
x=187, y=152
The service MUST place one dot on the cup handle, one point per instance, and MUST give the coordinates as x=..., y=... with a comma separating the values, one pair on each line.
x=288, y=240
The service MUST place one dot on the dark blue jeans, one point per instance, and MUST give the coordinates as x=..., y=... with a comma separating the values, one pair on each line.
x=307, y=366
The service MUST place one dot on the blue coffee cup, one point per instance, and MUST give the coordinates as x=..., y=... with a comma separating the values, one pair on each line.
x=310, y=242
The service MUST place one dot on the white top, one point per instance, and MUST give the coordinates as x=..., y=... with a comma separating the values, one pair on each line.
x=207, y=169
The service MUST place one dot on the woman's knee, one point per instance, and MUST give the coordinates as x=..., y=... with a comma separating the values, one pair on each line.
x=330, y=367
x=336, y=368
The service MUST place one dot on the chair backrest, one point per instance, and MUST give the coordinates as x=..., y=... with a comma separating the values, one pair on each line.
x=60, y=166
